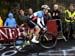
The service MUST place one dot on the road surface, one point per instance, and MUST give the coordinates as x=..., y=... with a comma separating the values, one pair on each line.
x=62, y=49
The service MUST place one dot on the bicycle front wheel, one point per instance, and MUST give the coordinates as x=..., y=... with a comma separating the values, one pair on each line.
x=48, y=40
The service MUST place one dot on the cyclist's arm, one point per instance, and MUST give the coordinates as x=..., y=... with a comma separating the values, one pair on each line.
x=43, y=21
x=39, y=22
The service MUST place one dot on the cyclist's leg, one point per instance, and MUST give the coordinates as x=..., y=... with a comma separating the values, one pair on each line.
x=31, y=26
x=36, y=34
x=32, y=31
x=37, y=30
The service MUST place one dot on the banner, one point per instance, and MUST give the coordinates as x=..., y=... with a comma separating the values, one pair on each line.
x=8, y=34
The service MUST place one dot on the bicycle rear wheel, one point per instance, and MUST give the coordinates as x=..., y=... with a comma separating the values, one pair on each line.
x=48, y=40
x=20, y=44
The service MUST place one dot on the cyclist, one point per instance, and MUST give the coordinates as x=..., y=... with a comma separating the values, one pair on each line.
x=36, y=22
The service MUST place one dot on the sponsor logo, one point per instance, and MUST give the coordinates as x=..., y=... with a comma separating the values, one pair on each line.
x=9, y=33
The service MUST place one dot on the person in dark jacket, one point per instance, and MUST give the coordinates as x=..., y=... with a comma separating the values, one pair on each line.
x=30, y=12
x=21, y=20
x=56, y=14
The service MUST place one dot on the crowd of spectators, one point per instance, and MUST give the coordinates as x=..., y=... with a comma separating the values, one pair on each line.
x=54, y=13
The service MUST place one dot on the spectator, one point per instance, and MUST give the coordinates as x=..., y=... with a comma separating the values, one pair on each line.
x=21, y=18
x=10, y=21
x=70, y=19
x=1, y=22
x=30, y=12
x=56, y=14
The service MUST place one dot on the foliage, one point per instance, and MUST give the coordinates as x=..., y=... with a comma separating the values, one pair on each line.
x=15, y=5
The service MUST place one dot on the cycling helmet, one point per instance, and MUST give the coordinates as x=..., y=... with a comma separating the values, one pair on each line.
x=45, y=7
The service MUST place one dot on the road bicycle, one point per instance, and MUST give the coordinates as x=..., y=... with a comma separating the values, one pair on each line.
x=46, y=40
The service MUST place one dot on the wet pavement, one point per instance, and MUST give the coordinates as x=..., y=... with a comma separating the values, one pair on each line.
x=62, y=49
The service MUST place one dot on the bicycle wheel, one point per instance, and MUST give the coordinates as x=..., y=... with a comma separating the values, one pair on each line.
x=48, y=40
x=19, y=44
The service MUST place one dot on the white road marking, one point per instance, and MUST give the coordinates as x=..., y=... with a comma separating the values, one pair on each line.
x=2, y=48
x=5, y=53
x=64, y=52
